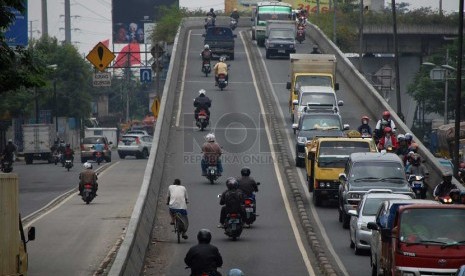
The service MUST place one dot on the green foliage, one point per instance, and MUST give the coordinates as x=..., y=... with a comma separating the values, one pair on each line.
x=167, y=26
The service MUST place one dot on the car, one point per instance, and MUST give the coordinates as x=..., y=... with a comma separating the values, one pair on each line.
x=142, y=132
x=138, y=145
x=87, y=151
x=312, y=124
x=365, y=171
x=280, y=42
x=315, y=97
x=360, y=235
x=221, y=41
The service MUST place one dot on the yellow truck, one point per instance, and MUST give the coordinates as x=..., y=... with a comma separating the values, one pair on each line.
x=326, y=159
x=13, y=252
x=310, y=70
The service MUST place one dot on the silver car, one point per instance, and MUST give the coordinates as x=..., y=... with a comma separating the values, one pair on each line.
x=360, y=235
x=137, y=145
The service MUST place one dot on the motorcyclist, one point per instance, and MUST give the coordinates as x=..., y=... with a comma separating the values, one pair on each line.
x=315, y=49
x=68, y=154
x=235, y=15
x=232, y=199
x=204, y=257
x=409, y=138
x=177, y=201
x=9, y=151
x=202, y=102
x=247, y=184
x=211, y=154
x=211, y=14
x=388, y=141
x=417, y=167
x=236, y=272
x=206, y=54
x=384, y=122
x=402, y=149
x=443, y=189
x=221, y=68
x=98, y=147
x=365, y=128
x=88, y=176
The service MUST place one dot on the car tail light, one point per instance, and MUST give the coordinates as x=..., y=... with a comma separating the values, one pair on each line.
x=137, y=140
x=88, y=186
x=233, y=215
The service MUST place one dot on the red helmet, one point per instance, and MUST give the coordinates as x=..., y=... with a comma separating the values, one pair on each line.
x=386, y=115
x=387, y=130
x=365, y=118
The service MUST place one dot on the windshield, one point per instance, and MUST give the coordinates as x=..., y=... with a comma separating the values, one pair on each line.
x=314, y=81
x=334, y=154
x=281, y=34
x=318, y=98
x=371, y=206
x=318, y=122
x=92, y=140
x=274, y=13
x=444, y=227
x=377, y=171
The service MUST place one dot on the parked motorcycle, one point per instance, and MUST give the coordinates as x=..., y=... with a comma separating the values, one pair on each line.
x=6, y=166
x=300, y=34
x=68, y=164
x=417, y=184
x=233, y=24
x=202, y=119
x=233, y=226
x=206, y=67
x=222, y=83
x=88, y=193
x=212, y=173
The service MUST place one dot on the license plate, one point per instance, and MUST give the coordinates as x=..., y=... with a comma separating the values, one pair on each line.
x=233, y=221
x=249, y=210
x=206, y=65
x=221, y=79
x=282, y=51
x=203, y=117
x=417, y=185
x=212, y=171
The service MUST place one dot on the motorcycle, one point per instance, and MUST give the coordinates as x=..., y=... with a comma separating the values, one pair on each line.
x=206, y=67
x=88, y=193
x=209, y=22
x=445, y=200
x=300, y=34
x=56, y=157
x=6, y=166
x=250, y=210
x=417, y=184
x=233, y=226
x=68, y=164
x=233, y=24
x=212, y=173
x=202, y=119
x=222, y=83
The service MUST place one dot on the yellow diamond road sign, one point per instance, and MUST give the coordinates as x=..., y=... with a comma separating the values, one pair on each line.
x=100, y=56
x=155, y=107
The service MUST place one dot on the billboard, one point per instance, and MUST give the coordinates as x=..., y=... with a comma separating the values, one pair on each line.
x=16, y=35
x=130, y=19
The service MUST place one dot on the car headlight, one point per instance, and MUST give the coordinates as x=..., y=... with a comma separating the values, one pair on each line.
x=301, y=140
x=271, y=45
x=322, y=184
x=355, y=196
x=291, y=46
x=328, y=184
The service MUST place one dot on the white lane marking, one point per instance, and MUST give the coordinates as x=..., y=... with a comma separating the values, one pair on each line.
x=229, y=82
x=181, y=95
x=303, y=180
x=302, y=250
x=61, y=203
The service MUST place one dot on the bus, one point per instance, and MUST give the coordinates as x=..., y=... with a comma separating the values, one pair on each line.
x=268, y=11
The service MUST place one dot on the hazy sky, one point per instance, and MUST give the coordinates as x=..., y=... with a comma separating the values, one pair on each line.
x=91, y=19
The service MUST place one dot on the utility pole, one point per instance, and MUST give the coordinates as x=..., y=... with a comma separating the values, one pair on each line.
x=334, y=21
x=396, y=60
x=458, y=96
x=67, y=22
x=44, y=19
x=360, y=34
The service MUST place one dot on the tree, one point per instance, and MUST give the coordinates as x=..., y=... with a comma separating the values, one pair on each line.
x=168, y=24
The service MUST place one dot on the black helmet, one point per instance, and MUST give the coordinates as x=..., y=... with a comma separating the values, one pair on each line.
x=204, y=236
x=245, y=171
x=211, y=10
x=447, y=177
x=231, y=183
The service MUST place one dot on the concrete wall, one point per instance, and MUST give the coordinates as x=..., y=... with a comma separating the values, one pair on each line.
x=368, y=95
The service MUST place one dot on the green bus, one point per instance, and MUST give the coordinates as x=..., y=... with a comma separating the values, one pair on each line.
x=268, y=11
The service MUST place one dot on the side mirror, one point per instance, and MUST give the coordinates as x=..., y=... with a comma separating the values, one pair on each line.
x=346, y=126
x=353, y=213
x=373, y=226
x=342, y=177
x=295, y=126
x=336, y=86
x=31, y=234
x=288, y=85
x=295, y=102
x=219, y=196
x=340, y=103
x=203, y=35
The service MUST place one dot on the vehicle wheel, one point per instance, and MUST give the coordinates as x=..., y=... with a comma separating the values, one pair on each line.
x=340, y=215
x=221, y=88
x=231, y=56
x=121, y=155
x=292, y=118
x=108, y=159
x=374, y=270
x=345, y=221
x=138, y=155
x=253, y=35
x=206, y=74
x=28, y=159
x=145, y=154
x=357, y=250
x=68, y=169
x=316, y=200
x=299, y=162
x=310, y=184
x=234, y=238
x=267, y=55
x=212, y=180
x=352, y=244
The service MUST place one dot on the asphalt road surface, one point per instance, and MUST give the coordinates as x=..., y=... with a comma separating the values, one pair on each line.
x=273, y=246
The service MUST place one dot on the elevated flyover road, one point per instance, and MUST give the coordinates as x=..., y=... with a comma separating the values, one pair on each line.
x=275, y=244
x=73, y=238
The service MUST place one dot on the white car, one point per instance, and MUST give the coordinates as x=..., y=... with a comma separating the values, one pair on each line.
x=360, y=235
x=137, y=145
x=317, y=98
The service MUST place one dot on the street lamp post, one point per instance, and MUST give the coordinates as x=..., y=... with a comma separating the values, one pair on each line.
x=55, y=104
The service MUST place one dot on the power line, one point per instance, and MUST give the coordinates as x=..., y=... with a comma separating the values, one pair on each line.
x=77, y=3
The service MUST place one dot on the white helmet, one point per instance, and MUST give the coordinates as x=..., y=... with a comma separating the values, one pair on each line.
x=87, y=165
x=210, y=137
x=206, y=47
x=222, y=59
x=202, y=91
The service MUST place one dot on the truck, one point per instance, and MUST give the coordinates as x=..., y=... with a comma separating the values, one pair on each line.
x=270, y=10
x=310, y=70
x=38, y=142
x=280, y=37
x=13, y=251
x=220, y=40
x=422, y=239
x=445, y=140
x=326, y=159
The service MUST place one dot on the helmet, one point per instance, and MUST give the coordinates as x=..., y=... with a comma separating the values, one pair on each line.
x=210, y=137
x=416, y=159
x=204, y=236
x=386, y=115
x=211, y=10
x=87, y=165
x=408, y=137
x=387, y=130
x=231, y=183
x=202, y=91
x=10, y=140
x=235, y=272
x=245, y=171
x=447, y=176
x=235, y=9
x=365, y=118
x=206, y=47
x=400, y=137
x=222, y=59
x=315, y=46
